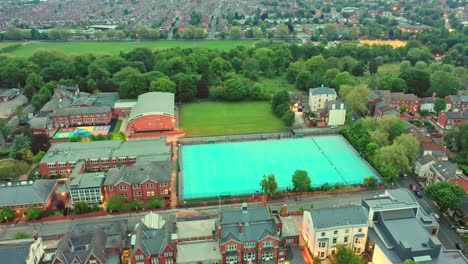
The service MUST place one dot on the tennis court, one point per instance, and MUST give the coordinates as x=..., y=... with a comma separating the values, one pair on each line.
x=69, y=132
x=209, y=170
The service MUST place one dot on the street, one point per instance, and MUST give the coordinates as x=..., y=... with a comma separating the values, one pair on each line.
x=447, y=236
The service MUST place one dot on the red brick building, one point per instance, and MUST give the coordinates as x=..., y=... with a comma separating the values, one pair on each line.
x=140, y=181
x=458, y=103
x=62, y=158
x=447, y=120
x=82, y=116
x=20, y=195
x=398, y=99
x=153, y=112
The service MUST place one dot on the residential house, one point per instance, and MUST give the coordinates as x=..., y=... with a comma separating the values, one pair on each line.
x=458, y=103
x=141, y=181
x=447, y=120
x=61, y=158
x=434, y=149
x=29, y=251
x=422, y=167
x=324, y=229
x=443, y=170
x=92, y=243
x=318, y=97
x=9, y=94
x=400, y=230
x=397, y=100
x=335, y=113
x=383, y=108
x=250, y=235
x=427, y=103
x=19, y=195
x=151, y=242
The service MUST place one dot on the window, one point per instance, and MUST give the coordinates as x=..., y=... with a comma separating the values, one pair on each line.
x=359, y=230
x=163, y=184
x=169, y=261
x=346, y=231
x=150, y=193
x=137, y=194
x=231, y=247
x=334, y=240
x=322, y=254
x=267, y=243
x=322, y=244
x=123, y=187
x=358, y=250
x=124, y=195
x=92, y=262
x=248, y=256
x=323, y=234
x=289, y=240
x=136, y=186
x=149, y=185
x=168, y=254
x=111, y=188
x=345, y=240
x=249, y=245
x=50, y=165
x=232, y=258
x=139, y=257
x=267, y=255
x=335, y=232
x=357, y=240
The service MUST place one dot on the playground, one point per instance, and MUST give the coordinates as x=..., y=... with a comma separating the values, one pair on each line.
x=85, y=131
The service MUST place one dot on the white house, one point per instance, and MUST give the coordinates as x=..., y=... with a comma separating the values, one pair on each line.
x=427, y=103
x=324, y=229
x=422, y=166
x=318, y=97
x=336, y=113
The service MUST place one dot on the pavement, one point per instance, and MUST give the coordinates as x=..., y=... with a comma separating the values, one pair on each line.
x=447, y=236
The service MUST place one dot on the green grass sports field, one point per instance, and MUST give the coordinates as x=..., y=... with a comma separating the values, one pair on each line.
x=217, y=118
x=28, y=48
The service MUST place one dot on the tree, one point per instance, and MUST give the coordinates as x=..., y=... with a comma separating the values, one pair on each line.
x=141, y=54
x=439, y=105
x=81, y=207
x=304, y=80
x=186, y=86
x=39, y=142
x=373, y=67
x=115, y=203
x=355, y=97
x=345, y=255
x=131, y=82
x=279, y=99
x=393, y=156
x=301, y=181
x=32, y=213
x=19, y=142
x=343, y=78
x=410, y=146
x=163, y=84
x=330, y=31
x=370, y=182
x=418, y=81
x=218, y=69
x=25, y=155
x=135, y=205
x=156, y=202
x=235, y=32
x=202, y=87
x=234, y=90
x=404, y=108
x=447, y=195
x=409, y=261
x=6, y=213
x=5, y=128
x=21, y=235
x=34, y=82
x=444, y=83
x=288, y=118
x=281, y=31
x=316, y=63
x=392, y=83
x=269, y=184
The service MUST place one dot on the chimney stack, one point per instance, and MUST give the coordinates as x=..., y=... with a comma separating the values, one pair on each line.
x=284, y=212
x=240, y=227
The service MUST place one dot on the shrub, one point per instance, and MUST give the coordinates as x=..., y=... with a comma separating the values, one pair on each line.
x=156, y=202
x=32, y=213
x=81, y=207
x=325, y=187
x=21, y=235
x=135, y=205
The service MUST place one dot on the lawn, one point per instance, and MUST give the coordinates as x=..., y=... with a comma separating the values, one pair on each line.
x=276, y=84
x=218, y=118
x=27, y=49
x=12, y=169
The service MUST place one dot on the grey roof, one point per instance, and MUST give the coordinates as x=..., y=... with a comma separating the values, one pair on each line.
x=397, y=198
x=322, y=90
x=153, y=102
x=150, y=240
x=338, y=104
x=15, y=252
x=248, y=215
x=289, y=227
x=25, y=193
x=106, y=99
x=339, y=216
x=459, y=98
x=55, y=104
x=373, y=95
x=457, y=115
x=85, y=100
x=81, y=110
x=426, y=159
x=445, y=168
x=80, y=246
x=9, y=92
x=195, y=228
x=191, y=252
x=75, y=151
x=7, y=108
x=428, y=100
x=140, y=172
x=40, y=122
x=86, y=180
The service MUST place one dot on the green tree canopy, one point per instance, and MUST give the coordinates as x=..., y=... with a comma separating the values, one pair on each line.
x=444, y=83
x=447, y=195
x=115, y=203
x=81, y=207
x=234, y=90
x=440, y=105
x=269, y=184
x=20, y=141
x=163, y=84
x=6, y=213
x=392, y=83
x=355, y=97
x=32, y=213
x=301, y=181
x=345, y=255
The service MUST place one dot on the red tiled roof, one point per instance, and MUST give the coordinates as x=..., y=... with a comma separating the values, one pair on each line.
x=462, y=182
x=433, y=146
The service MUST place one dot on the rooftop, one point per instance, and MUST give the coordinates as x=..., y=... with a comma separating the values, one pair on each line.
x=289, y=226
x=140, y=172
x=461, y=181
x=337, y=103
x=40, y=122
x=447, y=169
x=245, y=214
x=322, y=90
x=86, y=180
x=456, y=115
x=75, y=151
x=9, y=92
x=80, y=110
x=191, y=252
x=339, y=216
x=26, y=193
x=458, y=98
x=392, y=199
x=106, y=99
x=15, y=251
x=153, y=103
x=195, y=228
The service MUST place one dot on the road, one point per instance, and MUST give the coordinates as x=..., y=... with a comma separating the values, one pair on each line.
x=59, y=227
x=447, y=236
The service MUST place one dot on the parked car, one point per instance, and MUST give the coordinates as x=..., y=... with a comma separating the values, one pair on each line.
x=418, y=194
x=413, y=188
x=436, y=217
x=460, y=247
x=405, y=175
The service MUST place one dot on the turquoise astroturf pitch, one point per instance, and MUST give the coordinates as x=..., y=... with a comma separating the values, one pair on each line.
x=210, y=170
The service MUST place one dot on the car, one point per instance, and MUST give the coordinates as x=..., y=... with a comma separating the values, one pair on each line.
x=418, y=194
x=460, y=247
x=405, y=175
x=436, y=217
x=413, y=188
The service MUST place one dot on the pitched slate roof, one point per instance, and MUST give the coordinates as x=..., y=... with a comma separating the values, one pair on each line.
x=457, y=115
x=56, y=104
x=153, y=102
x=458, y=98
x=15, y=252
x=79, y=247
x=151, y=241
x=40, y=122
x=196, y=251
x=446, y=168
x=81, y=110
x=9, y=92
x=322, y=90
x=339, y=216
x=338, y=104
x=140, y=172
x=25, y=193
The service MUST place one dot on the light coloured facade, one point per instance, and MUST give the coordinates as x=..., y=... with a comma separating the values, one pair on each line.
x=325, y=229
x=318, y=97
x=336, y=113
x=422, y=166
